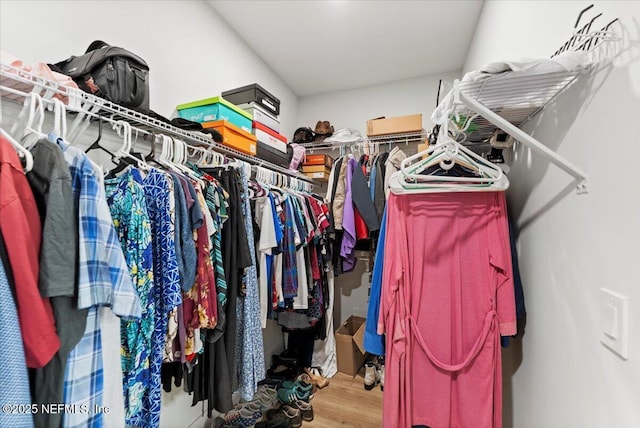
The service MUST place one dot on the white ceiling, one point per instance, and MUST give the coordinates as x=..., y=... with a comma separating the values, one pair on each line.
x=323, y=46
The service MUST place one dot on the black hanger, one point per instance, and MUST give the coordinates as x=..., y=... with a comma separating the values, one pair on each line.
x=151, y=157
x=122, y=164
x=96, y=144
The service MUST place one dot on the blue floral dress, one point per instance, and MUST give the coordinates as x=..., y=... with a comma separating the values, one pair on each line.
x=126, y=199
x=157, y=188
x=251, y=347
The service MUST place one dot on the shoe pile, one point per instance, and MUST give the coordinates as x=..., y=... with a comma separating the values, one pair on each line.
x=283, y=367
x=374, y=374
x=247, y=414
x=294, y=399
x=281, y=405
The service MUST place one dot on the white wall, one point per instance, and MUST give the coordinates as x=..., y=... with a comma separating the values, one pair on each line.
x=559, y=375
x=352, y=108
x=192, y=54
x=191, y=51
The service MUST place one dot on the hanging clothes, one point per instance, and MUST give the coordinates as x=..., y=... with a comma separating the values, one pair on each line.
x=374, y=342
x=392, y=164
x=157, y=187
x=252, y=369
x=50, y=181
x=128, y=207
x=424, y=302
x=348, y=221
x=14, y=366
x=103, y=280
x=22, y=233
x=324, y=350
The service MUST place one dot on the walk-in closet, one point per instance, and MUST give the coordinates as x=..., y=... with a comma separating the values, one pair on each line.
x=331, y=213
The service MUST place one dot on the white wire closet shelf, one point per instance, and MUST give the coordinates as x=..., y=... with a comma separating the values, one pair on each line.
x=514, y=97
x=507, y=101
x=14, y=82
x=405, y=137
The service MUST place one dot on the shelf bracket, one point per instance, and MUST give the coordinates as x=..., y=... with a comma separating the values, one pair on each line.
x=526, y=139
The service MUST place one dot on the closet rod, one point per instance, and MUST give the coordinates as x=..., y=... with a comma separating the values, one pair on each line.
x=88, y=113
x=526, y=139
x=80, y=102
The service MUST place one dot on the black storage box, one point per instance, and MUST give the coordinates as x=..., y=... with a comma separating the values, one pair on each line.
x=275, y=156
x=256, y=93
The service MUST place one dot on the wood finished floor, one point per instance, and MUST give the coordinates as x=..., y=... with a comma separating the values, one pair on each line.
x=345, y=403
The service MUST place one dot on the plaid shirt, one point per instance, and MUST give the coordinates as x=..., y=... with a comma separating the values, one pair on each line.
x=103, y=279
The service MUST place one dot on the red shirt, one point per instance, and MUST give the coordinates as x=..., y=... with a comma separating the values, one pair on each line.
x=22, y=233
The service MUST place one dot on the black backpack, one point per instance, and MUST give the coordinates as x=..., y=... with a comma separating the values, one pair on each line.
x=112, y=73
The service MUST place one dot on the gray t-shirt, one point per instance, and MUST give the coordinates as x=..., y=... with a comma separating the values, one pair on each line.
x=50, y=181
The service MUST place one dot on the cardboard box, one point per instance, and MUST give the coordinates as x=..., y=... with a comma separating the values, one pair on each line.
x=318, y=160
x=318, y=176
x=350, y=345
x=270, y=137
x=268, y=153
x=316, y=168
x=215, y=109
x=234, y=137
x=394, y=125
x=260, y=115
x=254, y=93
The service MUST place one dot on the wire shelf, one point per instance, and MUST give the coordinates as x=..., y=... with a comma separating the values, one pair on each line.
x=409, y=137
x=79, y=102
x=516, y=97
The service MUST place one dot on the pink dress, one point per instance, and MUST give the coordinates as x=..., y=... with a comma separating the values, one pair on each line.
x=447, y=297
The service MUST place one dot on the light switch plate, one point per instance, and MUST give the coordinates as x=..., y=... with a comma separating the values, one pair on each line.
x=614, y=308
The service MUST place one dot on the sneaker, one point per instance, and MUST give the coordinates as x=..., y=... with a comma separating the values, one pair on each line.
x=289, y=392
x=291, y=413
x=371, y=376
x=241, y=418
x=306, y=410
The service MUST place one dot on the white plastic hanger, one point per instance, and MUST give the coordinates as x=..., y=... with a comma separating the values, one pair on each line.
x=447, y=153
x=124, y=130
x=28, y=157
x=59, y=118
x=33, y=112
x=166, y=156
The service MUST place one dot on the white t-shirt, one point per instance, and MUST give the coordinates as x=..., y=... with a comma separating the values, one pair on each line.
x=264, y=216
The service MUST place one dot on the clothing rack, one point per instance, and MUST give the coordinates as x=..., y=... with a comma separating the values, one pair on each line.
x=373, y=143
x=507, y=101
x=584, y=39
x=15, y=83
x=273, y=178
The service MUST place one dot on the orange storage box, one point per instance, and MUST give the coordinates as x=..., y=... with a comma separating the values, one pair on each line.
x=234, y=137
x=318, y=160
x=316, y=168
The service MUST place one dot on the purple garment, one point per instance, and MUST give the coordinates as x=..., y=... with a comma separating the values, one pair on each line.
x=348, y=222
x=289, y=268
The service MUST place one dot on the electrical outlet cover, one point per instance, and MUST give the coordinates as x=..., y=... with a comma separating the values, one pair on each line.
x=614, y=316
